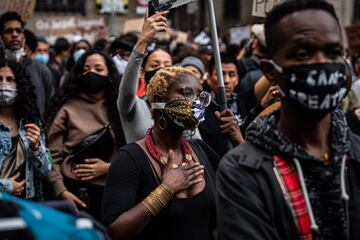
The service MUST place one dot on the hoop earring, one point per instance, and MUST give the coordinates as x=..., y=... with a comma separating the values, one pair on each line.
x=162, y=122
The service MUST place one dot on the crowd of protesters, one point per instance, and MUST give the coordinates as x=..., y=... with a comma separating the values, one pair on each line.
x=131, y=130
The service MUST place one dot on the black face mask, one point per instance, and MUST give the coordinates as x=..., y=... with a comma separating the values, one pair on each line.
x=93, y=83
x=316, y=88
x=150, y=74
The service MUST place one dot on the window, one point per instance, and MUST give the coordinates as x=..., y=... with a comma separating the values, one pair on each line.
x=357, y=11
x=232, y=9
x=60, y=6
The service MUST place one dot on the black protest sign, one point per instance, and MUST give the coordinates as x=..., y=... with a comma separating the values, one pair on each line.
x=163, y=5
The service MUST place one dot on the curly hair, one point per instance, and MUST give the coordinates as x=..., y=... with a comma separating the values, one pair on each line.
x=71, y=88
x=25, y=104
x=164, y=79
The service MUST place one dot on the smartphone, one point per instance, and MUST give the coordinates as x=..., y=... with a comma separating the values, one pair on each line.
x=152, y=9
x=156, y=6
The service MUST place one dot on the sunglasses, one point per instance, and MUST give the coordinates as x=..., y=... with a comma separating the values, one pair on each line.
x=11, y=30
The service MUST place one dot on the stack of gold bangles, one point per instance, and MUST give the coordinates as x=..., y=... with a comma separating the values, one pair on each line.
x=158, y=199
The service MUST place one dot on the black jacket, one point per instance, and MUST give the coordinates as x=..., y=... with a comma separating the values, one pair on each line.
x=250, y=73
x=251, y=204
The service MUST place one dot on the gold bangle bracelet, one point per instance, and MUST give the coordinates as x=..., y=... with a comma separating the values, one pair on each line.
x=153, y=204
x=167, y=189
x=158, y=199
x=149, y=207
x=162, y=194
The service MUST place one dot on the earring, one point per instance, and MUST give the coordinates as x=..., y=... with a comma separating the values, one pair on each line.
x=162, y=122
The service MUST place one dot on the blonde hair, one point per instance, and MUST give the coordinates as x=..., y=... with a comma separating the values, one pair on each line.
x=163, y=79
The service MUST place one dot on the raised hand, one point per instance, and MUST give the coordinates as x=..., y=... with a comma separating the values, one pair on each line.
x=152, y=25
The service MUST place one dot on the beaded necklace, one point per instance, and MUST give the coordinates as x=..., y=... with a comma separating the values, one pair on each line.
x=159, y=157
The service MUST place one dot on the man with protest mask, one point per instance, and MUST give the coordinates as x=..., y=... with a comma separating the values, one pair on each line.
x=298, y=174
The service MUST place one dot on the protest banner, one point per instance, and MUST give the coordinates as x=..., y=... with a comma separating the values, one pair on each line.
x=133, y=25
x=69, y=27
x=353, y=37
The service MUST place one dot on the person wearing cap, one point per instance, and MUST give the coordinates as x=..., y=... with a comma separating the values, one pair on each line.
x=298, y=174
x=206, y=52
x=195, y=65
x=121, y=49
x=251, y=65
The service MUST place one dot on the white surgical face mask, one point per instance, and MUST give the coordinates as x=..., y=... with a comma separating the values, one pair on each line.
x=8, y=94
x=120, y=64
x=18, y=54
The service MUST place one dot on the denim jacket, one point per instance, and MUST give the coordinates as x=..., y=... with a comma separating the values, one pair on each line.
x=38, y=163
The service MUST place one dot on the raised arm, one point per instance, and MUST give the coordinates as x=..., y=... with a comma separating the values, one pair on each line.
x=127, y=99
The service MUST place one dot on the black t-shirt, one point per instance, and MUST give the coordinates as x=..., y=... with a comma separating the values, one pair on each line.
x=210, y=130
x=131, y=178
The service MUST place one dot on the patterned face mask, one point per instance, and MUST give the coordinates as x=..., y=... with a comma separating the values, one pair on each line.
x=316, y=88
x=8, y=94
x=187, y=113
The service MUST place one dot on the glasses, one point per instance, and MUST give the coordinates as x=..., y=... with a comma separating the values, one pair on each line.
x=11, y=30
x=204, y=97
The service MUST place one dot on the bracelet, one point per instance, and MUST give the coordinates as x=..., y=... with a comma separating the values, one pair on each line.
x=158, y=199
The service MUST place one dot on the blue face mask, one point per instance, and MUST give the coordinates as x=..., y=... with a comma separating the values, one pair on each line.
x=78, y=54
x=42, y=58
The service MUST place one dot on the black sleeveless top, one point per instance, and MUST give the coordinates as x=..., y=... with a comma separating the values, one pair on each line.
x=131, y=178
